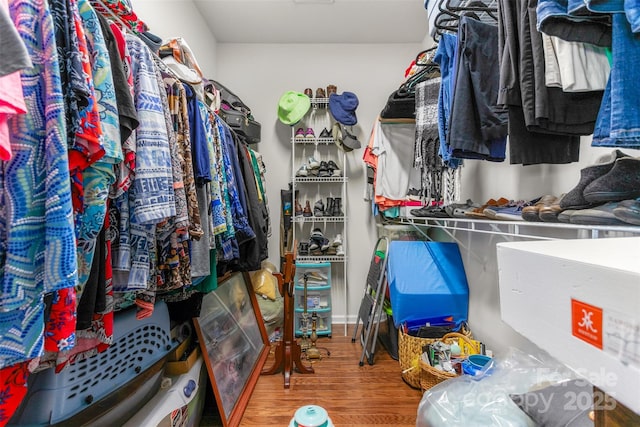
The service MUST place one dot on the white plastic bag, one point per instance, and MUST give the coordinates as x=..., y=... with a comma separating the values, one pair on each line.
x=484, y=400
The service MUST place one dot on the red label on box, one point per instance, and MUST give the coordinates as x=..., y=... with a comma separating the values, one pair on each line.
x=586, y=322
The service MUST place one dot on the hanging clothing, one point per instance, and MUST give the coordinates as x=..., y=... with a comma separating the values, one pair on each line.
x=15, y=55
x=478, y=126
x=38, y=256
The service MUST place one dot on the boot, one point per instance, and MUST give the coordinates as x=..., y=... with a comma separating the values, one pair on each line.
x=298, y=208
x=328, y=208
x=337, y=207
x=307, y=210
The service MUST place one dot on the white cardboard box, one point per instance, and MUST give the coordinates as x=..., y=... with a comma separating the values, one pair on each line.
x=580, y=301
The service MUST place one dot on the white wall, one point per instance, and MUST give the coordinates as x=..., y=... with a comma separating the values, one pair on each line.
x=180, y=18
x=261, y=73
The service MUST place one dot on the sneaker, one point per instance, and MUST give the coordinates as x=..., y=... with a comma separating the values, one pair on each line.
x=312, y=163
x=333, y=168
x=323, y=171
x=299, y=134
x=600, y=215
x=317, y=233
x=337, y=241
x=302, y=171
x=324, y=244
x=309, y=134
x=326, y=133
x=318, y=208
x=340, y=250
x=413, y=194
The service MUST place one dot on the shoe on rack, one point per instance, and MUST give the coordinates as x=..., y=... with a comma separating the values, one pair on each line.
x=324, y=245
x=514, y=213
x=332, y=250
x=479, y=211
x=312, y=163
x=340, y=250
x=298, y=208
x=303, y=248
x=320, y=94
x=326, y=133
x=628, y=211
x=532, y=213
x=433, y=211
x=333, y=168
x=337, y=207
x=565, y=215
x=550, y=213
x=323, y=171
x=622, y=182
x=328, y=208
x=299, y=134
x=337, y=241
x=331, y=89
x=302, y=171
x=306, y=212
x=316, y=233
x=318, y=208
x=458, y=209
x=599, y=215
x=575, y=198
x=413, y=194
x=309, y=134
x=309, y=92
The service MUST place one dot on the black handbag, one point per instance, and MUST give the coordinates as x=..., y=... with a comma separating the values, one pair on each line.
x=238, y=115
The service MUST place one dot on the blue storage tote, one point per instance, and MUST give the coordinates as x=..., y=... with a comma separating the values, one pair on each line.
x=427, y=283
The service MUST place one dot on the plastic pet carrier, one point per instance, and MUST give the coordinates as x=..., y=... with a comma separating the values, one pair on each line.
x=107, y=388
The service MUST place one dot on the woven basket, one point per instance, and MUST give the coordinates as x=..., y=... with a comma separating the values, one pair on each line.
x=430, y=376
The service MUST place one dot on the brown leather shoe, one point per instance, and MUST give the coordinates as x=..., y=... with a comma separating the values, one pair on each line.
x=550, y=213
x=331, y=89
x=532, y=213
x=320, y=93
x=479, y=212
x=309, y=92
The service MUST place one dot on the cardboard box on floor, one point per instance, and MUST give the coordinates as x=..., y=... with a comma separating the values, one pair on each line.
x=580, y=301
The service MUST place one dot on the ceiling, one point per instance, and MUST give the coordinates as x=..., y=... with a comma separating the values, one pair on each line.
x=315, y=21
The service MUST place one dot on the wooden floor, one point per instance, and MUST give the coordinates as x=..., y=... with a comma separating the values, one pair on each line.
x=352, y=395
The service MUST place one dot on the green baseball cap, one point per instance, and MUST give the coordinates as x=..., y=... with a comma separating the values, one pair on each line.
x=292, y=107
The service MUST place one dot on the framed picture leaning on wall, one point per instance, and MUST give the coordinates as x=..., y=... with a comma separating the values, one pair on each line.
x=234, y=344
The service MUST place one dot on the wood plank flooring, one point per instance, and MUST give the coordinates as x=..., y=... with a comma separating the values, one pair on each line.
x=352, y=395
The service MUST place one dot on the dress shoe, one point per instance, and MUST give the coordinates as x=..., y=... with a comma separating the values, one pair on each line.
x=532, y=213
x=320, y=94
x=331, y=89
x=309, y=92
x=622, y=182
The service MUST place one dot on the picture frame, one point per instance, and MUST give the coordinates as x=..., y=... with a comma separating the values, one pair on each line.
x=234, y=344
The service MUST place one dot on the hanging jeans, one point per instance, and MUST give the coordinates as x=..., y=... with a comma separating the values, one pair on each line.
x=570, y=20
x=618, y=123
x=630, y=7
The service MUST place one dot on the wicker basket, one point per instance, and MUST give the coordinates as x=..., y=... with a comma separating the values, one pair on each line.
x=430, y=376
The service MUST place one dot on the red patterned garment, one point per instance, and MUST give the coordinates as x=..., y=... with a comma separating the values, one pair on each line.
x=122, y=11
x=13, y=388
